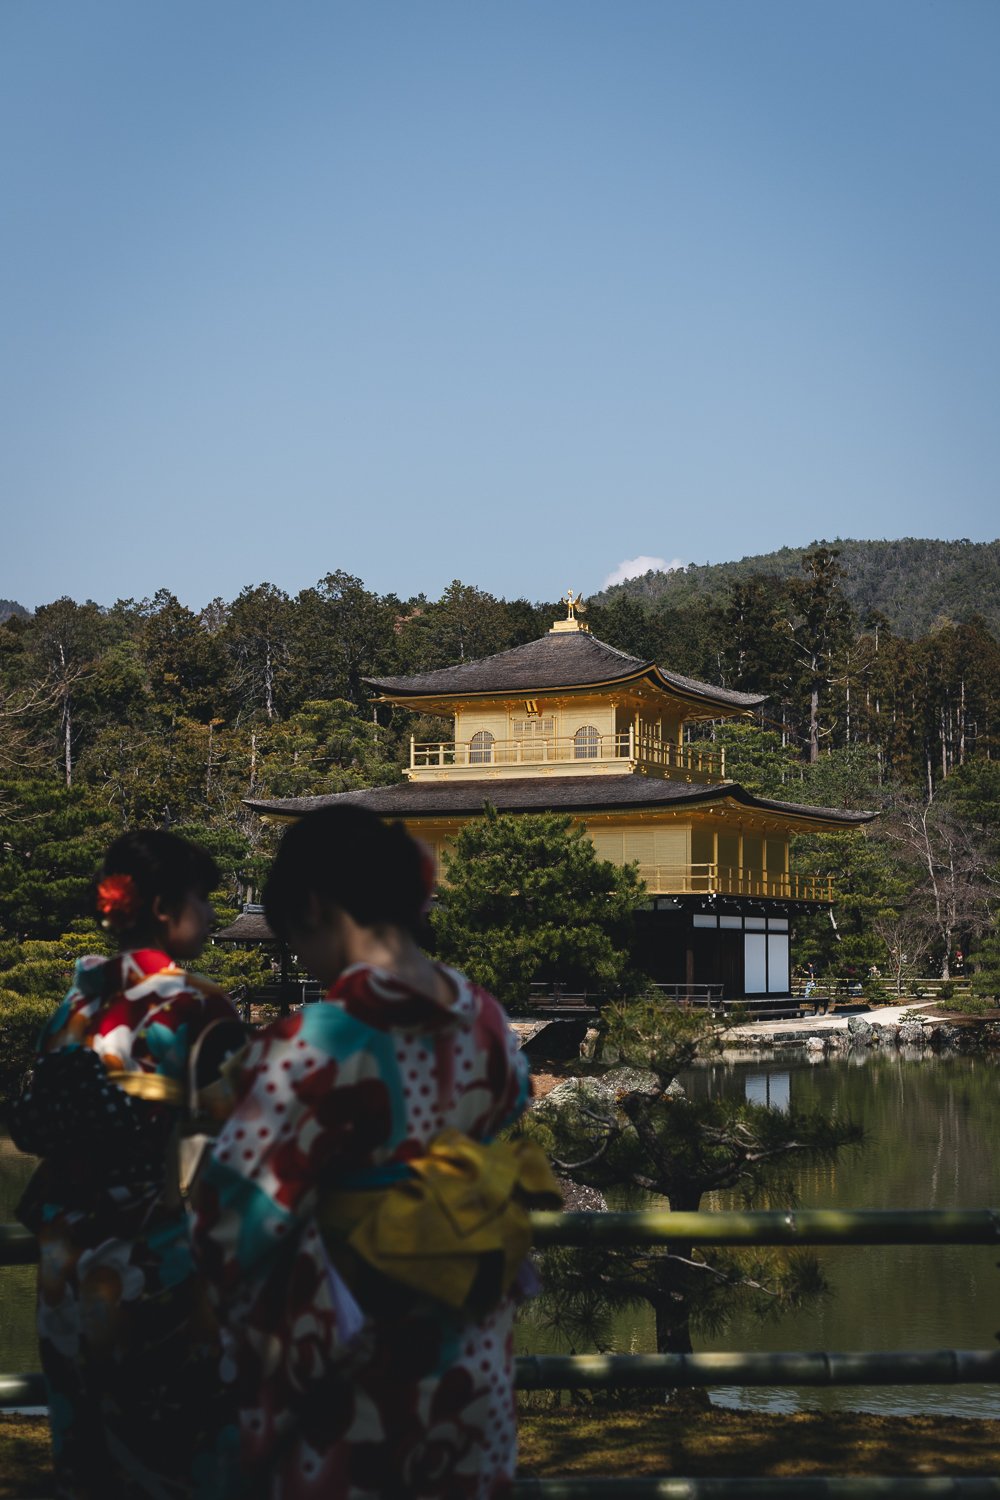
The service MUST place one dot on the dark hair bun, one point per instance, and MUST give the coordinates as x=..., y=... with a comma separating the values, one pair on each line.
x=155, y=863
x=346, y=855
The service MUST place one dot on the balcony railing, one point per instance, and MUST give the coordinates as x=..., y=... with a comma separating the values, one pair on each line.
x=695, y=760
x=729, y=880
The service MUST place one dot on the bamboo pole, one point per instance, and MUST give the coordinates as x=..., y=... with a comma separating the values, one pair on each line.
x=571, y=1372
x=23, y=1390
x=854, y=1487
x=17, y=1246
x=673, y=1371
x=817, y=1226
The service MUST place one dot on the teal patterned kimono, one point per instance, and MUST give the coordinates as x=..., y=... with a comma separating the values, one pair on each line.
x=417, y=1401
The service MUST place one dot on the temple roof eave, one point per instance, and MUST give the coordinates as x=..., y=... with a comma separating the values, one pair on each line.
x=699, y=704
x=584, y=796
x=553, y=664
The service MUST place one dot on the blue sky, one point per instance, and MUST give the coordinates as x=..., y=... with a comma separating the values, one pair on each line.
x=510, y=292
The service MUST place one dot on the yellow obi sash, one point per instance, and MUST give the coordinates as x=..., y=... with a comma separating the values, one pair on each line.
x=458, y=1229
x=156, y=1087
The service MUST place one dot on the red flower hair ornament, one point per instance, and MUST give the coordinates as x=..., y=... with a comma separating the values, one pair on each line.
x=117, y=901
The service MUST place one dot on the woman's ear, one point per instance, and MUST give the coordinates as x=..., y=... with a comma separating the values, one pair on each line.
x=317, y=913
x=161, y=912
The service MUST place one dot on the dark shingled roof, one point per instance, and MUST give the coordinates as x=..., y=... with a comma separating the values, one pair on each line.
x=249, y=927
x=427, y=799
x=568, y=659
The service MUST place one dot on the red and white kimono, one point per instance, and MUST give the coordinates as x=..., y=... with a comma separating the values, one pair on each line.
x=420, y=1402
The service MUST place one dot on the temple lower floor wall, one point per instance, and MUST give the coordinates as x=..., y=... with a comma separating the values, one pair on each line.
x=744, y=946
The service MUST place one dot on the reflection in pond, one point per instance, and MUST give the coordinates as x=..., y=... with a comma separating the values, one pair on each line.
x=930, y=1124
x=927, y=1122
x=772, y=1089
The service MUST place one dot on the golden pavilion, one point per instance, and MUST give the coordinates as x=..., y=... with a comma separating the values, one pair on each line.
x=570, y=724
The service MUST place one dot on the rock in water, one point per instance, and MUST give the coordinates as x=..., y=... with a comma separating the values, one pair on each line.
x=578, y=1198
x=632, y=1081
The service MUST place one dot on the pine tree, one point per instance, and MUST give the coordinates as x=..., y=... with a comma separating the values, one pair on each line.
x=527, y=898
x=645, y=1136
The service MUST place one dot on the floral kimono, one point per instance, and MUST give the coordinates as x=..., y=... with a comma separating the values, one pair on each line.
x=403, y=1397
x=128, y=1344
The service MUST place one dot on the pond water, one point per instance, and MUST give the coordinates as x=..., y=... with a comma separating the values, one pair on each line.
x=933, y=1126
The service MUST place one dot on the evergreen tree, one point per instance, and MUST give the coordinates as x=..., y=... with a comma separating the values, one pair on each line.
x=465, y=623
x=63, y=642
x=757, y=759
x=872, y=891
x=325, y=747
x=525, y=897
x=818, y=622
x=757, y=652
x=51, y=841
x=986, y=968
x=341, y=634
x=255, y=638
x=184, y=662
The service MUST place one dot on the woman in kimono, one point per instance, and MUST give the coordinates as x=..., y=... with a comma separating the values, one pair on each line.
x=128, y=1342
x=372, y=1354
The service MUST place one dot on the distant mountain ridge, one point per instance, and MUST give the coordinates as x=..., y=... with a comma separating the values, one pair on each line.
x=10, y=607
x=913, y=582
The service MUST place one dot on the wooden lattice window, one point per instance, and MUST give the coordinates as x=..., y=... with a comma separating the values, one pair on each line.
x=481, y=748
x=587, y=743
x=533, y=729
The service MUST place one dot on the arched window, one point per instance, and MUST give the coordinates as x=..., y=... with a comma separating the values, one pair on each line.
x=586, y=743
x=481, y=748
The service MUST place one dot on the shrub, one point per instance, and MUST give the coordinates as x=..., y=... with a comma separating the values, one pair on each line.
x=970, y=1005
x=34, y=977
x=876, y=992
x=21, y=1019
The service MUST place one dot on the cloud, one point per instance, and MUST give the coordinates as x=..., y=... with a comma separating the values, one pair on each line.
x=635, y=567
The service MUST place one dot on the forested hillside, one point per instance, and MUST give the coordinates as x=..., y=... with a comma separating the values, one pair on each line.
x=147, y=712
x=915, y=584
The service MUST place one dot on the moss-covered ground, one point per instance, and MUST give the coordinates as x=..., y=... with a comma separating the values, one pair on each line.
x=650, y=1441
x=721, y=1442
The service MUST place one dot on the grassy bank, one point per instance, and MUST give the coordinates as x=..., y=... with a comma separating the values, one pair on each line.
x=649, y=1442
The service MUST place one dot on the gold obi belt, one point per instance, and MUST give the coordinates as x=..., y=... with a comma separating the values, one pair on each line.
x=157, y=1088
x=457, y=1230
